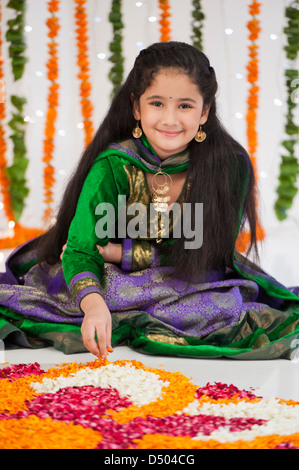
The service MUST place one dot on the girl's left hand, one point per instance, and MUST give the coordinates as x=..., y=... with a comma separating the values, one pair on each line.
x=111, y=253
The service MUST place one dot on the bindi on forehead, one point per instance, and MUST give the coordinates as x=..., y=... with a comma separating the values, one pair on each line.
x=179, y=99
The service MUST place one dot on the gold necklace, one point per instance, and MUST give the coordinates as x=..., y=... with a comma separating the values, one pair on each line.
x=159, y=191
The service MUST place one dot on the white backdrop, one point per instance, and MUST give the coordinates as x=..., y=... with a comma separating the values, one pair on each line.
x=228, y=54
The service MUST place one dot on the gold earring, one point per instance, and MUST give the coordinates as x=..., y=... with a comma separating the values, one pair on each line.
x=200, y=135
x=137, y=132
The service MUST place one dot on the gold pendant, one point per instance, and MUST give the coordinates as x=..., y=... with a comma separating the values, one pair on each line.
x=159, y=191
x=160, y=203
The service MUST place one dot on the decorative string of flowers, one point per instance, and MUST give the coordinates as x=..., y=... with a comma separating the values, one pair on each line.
x=117, y=70
x=254, y=29
x=51, y=116
x=12, y=179
x=4, y=181
x=289, y=168
x=83, y=64
x=197, y=24
x=165, y=29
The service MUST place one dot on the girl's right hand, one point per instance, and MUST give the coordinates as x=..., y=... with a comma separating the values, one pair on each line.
x=97, y=321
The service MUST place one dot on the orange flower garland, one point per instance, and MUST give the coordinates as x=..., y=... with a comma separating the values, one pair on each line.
x=251, y=117
x=52, y=66
x=83, y=64
x=21, y=234
x=252, y=77
x=4, y=181
x=164, y=22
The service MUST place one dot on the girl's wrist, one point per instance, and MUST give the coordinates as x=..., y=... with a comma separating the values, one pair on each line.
x=91, y=302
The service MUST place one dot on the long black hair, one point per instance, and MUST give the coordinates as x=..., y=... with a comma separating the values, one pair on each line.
x=216, y=165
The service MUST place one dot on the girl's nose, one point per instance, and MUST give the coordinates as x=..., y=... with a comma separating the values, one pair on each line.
x=169, y=116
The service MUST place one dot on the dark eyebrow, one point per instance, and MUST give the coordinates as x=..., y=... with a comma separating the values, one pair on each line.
x=187, y=99
x=154, y=97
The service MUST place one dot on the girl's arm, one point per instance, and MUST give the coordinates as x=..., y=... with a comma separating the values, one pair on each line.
x=111, y=253
x=81, y=261
x=132, y=255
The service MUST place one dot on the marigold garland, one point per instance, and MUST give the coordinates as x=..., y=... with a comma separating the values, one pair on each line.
x=165, y=29
x=4, y=181
x=83, y=64
x=197, y=24
x=21, y=235
x=254, y=29
x=289, y=167
x=51, y=116
x=115, y=46
x=15, y=35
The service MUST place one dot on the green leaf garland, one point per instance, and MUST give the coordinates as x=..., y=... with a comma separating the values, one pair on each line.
x=16, y=172
x=15, y=35
x=197, y=24
x=289, y=167
x=115, y=46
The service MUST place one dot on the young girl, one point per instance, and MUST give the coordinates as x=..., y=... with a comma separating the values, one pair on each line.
x=148, y=225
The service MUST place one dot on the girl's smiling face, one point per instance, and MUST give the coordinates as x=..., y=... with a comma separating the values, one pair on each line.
x=170, y=111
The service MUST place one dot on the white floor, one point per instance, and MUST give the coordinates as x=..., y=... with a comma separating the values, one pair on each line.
x=276, y=378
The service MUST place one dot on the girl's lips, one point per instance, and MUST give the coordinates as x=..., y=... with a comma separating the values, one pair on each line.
x=169, y=133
